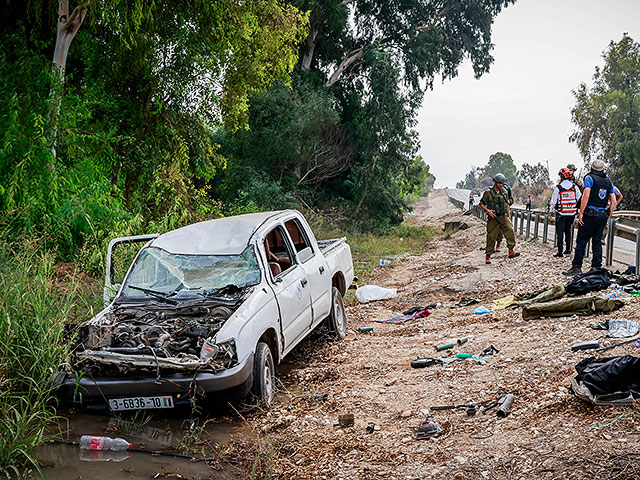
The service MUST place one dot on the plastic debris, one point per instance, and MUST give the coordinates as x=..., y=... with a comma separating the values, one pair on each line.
x=370, y=293
x=428, y=429
x=481, y=310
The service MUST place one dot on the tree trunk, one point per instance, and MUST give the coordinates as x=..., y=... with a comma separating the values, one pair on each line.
x=346, y=63
x=312, y=41
x=67, y=28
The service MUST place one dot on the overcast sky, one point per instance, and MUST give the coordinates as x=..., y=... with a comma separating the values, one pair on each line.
x=543, y=50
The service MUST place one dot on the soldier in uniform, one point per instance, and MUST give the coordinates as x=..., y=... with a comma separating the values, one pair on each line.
x=598, y=203
x=495, y=202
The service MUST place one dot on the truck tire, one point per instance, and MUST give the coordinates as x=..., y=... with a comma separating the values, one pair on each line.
x=337, y=321
x=263, y=390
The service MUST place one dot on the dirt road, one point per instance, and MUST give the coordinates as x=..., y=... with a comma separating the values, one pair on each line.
x=549, y=434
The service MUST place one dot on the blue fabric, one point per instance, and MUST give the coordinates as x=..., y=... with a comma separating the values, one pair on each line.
x=588, y=183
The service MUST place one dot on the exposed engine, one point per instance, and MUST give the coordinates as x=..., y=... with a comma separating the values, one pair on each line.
x=136, y=339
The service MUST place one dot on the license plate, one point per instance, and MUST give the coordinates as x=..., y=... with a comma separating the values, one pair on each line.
x=140, y=403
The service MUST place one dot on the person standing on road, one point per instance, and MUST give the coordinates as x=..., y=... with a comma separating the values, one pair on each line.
x=510, y=202
x=564, y=202
x=495, y=202
x=593, y=216
x=527, y=203
x=572, y=169
x=471, y=199
x=619, y=197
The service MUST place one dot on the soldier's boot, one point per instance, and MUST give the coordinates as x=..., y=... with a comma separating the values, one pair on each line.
x=497, y=247
x=573, y=271
x=488, y=260
x=513, y=253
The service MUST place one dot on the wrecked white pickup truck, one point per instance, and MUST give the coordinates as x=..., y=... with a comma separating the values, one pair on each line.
x=209, y=310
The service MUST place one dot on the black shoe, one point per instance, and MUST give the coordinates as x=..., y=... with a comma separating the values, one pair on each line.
x=573, y=271
x=558, y=255
x=567, y=252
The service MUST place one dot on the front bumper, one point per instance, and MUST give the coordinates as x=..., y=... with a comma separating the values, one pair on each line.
x=88, y=391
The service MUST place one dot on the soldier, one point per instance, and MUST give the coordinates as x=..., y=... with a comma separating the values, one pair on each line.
x=564, y=202
x=593, y=216
x=510, y=202
x=495, y=202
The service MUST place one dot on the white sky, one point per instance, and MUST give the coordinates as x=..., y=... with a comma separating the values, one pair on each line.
x=543, y=50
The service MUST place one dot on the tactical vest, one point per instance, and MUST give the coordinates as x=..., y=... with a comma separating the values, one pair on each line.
x=599, y=195
x=498, y=201
x=568, y=203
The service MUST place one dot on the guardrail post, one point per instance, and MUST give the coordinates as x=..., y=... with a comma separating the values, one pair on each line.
x=535, y=225
x=611, y=232
x=545, y=229
x=521, y=222
x=528, y=224
x=638, y=250
x=514, y=220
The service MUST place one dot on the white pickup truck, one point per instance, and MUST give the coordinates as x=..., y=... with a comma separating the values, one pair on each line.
x=208, y=310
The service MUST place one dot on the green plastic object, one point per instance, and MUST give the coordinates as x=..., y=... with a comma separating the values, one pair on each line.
x=445, y=346
x=463, y=355
x=365, y=329
x=635, y=293
x=462, y=340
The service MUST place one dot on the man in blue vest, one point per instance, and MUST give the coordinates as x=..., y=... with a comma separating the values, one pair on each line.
x=598, y=203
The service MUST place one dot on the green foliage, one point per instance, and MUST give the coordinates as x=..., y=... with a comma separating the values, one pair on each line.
x=607, y=117
x=482, y=178
x=32, y=347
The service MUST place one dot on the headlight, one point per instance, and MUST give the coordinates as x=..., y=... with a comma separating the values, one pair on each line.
x=224, y=352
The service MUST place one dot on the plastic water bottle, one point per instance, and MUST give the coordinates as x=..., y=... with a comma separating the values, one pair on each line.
x=89, y=442
x=614, y=295
x=384, y=262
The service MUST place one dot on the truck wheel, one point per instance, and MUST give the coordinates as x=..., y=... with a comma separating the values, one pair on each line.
x=337, y=320
x=264, y=376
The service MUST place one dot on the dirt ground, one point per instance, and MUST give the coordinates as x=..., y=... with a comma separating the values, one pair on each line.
x=550, y=433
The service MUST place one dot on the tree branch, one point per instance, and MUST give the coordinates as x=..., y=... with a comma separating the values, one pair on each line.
x=353, y=57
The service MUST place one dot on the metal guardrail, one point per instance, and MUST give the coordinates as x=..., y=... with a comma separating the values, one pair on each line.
x=624, y=224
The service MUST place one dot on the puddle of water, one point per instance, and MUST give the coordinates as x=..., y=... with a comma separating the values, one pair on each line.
x=64, y=460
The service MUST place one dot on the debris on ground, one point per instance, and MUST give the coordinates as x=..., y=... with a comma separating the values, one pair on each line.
x=371, y=293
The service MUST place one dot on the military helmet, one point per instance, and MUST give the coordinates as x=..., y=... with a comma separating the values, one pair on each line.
x=499, y=178
x=571, y=166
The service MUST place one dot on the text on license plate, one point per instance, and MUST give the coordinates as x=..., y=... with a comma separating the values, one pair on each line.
x=140, y=403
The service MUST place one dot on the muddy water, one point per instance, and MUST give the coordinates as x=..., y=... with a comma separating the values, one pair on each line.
x=153, y=454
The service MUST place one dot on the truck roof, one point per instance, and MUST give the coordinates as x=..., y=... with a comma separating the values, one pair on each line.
x=222, y=236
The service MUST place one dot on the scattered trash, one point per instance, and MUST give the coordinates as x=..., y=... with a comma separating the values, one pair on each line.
x=505, y=404
x=401, y=317
x=466, y=301
x=622, y=327
x=89, y=442
x=591, y=281
x=413, y=310
x=345, y=420
x=546, y=294
x=608, y=381
x=365, y=329
x=504, y=302
x=472, y=408
x=428, y=429
x=459, y=341
x=571, y=306
x=425, y=362
x=321, y=397
x=489, y=351
x=585, y=345
x=604, y=349
x=615, y=295
x=384, y=262
x=481, y=310
x=636, y=343
x=370, y=429
x=464, y=355
x=370, y=293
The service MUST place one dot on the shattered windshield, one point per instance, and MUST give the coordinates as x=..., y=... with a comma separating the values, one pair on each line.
x=158, y=273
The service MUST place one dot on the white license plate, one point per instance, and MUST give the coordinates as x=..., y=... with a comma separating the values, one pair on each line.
x=140, y=403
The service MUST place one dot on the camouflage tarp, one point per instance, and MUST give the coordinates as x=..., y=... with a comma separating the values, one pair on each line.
x=571, y=306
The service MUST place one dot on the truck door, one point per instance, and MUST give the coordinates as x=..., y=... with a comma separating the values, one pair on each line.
x=290, y=286
x=315, y=268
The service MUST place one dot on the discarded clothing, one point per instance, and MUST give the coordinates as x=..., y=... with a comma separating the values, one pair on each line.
x=370, y=293
x=545, y=294
x=466, y=301
x=621, y=328
x=490, y=350
x=426, y=362
x=504, y=302
x=413, y=310
x=608, y=381
x=591, y=281
x=481, y=310
x=571, y=306
x=623, y=279
x=401, y=317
